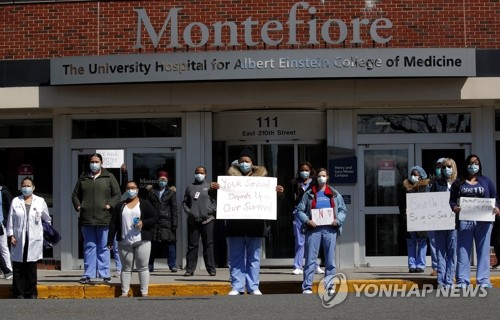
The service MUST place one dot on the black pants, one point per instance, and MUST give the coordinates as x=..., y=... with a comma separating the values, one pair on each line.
x=206, y=231
x=24, y=280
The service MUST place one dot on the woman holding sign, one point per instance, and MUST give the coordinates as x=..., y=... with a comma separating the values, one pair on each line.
x=473, y=185
x=446, y=240
x=322, y=212
x=416, y=241
x=244, y=237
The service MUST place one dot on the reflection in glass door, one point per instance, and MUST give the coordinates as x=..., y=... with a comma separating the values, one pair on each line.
x=384, y=169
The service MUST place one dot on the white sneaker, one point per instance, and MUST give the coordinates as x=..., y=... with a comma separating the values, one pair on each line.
x=297, y=271
x=8, y=276
x=256, y=292
x=117, y=274
x=319, y=270
x=307, y=292
x=233, y=293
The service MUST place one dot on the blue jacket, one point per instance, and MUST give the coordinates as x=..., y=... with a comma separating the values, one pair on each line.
x=304, y=208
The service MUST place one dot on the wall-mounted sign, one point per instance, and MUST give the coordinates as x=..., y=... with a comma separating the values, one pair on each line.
x=343, y=165
x=269, y=125
x=263, y=64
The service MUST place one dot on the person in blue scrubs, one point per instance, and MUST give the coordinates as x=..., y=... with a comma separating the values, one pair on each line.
x=473, y=185
x=320, y=196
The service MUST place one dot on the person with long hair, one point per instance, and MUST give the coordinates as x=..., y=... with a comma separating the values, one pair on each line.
x=96, y=194
x=131, y=226
x=321, y=196
x=25, y=232
x=474, y=185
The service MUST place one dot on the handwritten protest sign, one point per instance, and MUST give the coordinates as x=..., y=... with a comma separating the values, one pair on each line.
x=428, y=211
x=323, y=217
x=477, y=209
x=112, y=158
x=246, y=198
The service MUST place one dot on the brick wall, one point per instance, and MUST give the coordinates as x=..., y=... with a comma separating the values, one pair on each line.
x=32, y=31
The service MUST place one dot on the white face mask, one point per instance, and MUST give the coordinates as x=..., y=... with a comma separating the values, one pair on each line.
x=321, y=180
x=199, y=177
x=414, y=179
x=448, y=172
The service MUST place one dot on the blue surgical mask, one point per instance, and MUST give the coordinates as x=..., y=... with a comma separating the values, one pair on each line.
x=162, y=183
x=321, y=180
x=414, y=179
x=27, y=191
x=94, y=167
x=199, y=177
x=245, y=167
x=473, y=168
x=438, y=172
x=448, y=172
x=132, y=193
x=304, y=174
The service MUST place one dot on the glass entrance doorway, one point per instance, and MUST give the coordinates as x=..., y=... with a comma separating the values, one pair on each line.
x=384, y=168
x=142, y=166
x=281, y=160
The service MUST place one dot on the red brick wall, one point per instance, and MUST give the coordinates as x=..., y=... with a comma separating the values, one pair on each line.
x=32, y=31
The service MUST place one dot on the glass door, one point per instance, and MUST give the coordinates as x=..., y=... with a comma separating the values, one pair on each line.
x=281, y=161
x=142, y=166
x=383, y=169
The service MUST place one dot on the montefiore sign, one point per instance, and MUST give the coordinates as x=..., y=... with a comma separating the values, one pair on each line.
x=272, y=32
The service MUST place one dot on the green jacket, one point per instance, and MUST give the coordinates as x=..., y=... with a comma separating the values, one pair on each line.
x=93, y=196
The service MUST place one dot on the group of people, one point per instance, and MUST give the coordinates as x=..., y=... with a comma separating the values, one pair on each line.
x=451, y=250
x=139, y=227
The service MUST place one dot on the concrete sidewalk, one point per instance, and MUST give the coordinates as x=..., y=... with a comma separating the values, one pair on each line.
x=64, y=284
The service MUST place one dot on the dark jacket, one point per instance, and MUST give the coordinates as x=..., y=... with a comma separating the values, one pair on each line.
x=298, y=192
x=6, y=201
x=148, y=217
x=93, y=196
x=246, y=228
x=204, y=206
x=166, y=214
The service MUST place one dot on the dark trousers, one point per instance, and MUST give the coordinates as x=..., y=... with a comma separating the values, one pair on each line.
x=206, y=231
x=158, y=248
x=24, y=280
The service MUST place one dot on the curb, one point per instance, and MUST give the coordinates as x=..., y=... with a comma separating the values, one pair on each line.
x=108, y=291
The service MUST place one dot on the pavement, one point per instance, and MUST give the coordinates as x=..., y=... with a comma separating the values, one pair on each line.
x=56, y=284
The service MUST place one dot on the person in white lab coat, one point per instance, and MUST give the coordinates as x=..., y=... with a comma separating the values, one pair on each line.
x=25, y=231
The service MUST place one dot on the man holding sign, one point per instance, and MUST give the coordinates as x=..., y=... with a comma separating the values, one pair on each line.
x=244, y=236
x=473, y=222
x=322, y=212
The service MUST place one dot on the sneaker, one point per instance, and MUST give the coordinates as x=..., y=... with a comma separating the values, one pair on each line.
x=8, y=276
x=117, y=274
x=496, y=266
x=234, y=293
x=188, y=274
x=486, y=285
x=420, y=270
x=84, y=280
x=434, y=273
x=297, y=271
x=307, y=292
x=319, y=270
x=256, y=292
x=212, y=273
x=106, y=280
x=173, y=269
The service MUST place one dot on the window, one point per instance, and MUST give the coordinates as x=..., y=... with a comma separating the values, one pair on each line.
x=127, y=128
x=414, y=123
x=20, y=129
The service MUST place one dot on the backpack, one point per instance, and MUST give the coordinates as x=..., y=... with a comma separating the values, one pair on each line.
x=50, y=235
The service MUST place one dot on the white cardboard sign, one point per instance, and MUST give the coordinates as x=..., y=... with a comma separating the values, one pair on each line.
x=246, y=198
x=477, y=209
x=323, y=217
x=429, y=211
x=112, y=158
